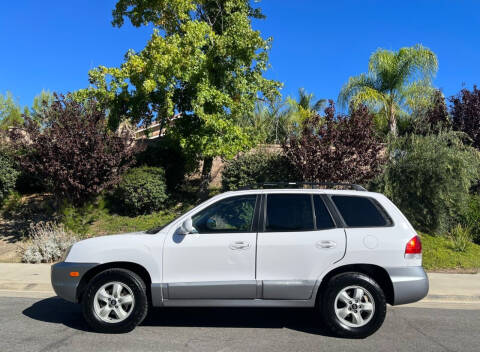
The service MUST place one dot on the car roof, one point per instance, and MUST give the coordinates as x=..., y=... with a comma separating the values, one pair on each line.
x=303, y=190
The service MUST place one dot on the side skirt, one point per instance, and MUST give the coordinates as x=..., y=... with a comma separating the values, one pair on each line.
x=237, y=303
x=270, y=293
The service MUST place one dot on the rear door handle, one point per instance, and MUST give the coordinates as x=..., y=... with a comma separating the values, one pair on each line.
x=239, y=245
x=325, y=244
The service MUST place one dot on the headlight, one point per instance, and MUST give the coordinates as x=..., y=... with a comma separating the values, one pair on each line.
x=65, y=254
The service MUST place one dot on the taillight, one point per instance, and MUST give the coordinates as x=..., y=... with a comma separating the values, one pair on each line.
x=414, y=248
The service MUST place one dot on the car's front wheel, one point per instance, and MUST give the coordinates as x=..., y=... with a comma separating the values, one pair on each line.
x=115, y=301
x=353, y=305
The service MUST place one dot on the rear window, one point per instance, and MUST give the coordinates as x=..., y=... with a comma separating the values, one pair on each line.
x=289, y=212
x=361, y=211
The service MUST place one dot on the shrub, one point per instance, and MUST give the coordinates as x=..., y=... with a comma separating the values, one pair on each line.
x=78, y=219
x=12, y=204
x=257, y=167
x=49, y=241
x=166, y=153
x=73, y=151
x=429, y=178
x=337, y=148
x=8, y=176
x=471, y=217
x=141, y=191
x=461, y=237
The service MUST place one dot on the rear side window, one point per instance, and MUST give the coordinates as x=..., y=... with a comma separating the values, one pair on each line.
x=322, y=216
x=289, y=212
x=361, y=211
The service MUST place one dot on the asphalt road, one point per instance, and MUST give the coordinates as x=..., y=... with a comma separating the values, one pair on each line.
x=51, y=324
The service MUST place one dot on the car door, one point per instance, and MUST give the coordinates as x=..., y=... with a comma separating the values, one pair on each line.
x=298, y=242
x=370, y=231
x=217, y=262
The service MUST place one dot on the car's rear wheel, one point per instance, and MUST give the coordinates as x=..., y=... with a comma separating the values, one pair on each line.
x=353, y=305
x=115, y=301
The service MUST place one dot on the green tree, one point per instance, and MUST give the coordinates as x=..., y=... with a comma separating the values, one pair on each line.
x=8, y=175
x=203, y=63
x=10, y=113
x=40, y=106
x=258, y=167
x=429, y=178
x=395, y=84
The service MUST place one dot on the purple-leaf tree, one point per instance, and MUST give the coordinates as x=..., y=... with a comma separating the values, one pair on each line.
x=342, y=148
x=72, y=150
x=466, y=113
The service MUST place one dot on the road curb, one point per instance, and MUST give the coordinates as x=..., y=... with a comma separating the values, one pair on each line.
x=452, y=298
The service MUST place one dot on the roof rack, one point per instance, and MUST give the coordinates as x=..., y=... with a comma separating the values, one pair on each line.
x=312, y=185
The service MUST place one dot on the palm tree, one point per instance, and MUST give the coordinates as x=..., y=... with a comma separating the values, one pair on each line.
x=305, y=102
x=301, y=108
x=396, y=82
x=268, y=123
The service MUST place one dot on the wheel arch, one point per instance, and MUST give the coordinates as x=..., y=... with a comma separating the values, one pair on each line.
x=377, y=273
x=134, y=267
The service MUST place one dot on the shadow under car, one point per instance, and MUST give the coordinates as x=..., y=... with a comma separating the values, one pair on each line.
x=58, y=311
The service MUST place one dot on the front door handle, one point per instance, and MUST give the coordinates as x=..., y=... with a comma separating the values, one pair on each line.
x=325, y=244
x=239, y=245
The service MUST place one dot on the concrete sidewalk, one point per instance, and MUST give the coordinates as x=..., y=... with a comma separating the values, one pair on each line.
x=454, y=287
x=25, y=280
x=33, y=280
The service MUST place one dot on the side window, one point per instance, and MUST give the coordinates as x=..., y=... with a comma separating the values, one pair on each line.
x=234, y=214
x=322, y=216
x=289, y=212
x=360, y=211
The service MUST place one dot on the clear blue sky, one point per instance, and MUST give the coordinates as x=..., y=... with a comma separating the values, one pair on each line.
x=317, y=44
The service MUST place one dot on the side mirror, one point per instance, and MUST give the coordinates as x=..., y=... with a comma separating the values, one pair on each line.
x=187, y=226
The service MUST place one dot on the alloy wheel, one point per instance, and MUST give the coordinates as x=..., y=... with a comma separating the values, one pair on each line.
x=354, y=306
x=113, y=302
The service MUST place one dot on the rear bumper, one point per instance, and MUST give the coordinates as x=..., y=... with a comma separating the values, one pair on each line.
x=410, y=284
x=63, y=284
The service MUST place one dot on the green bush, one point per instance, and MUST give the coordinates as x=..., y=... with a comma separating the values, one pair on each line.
x=472, y=217
x=141, y=191
x=255, y=168
x=12, y=204
x=8, y=176
x=166, y=153
x=429, y=178
x=78, y=219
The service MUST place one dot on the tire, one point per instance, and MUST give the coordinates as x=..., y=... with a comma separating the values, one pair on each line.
x=115, y=316
x=343, y=315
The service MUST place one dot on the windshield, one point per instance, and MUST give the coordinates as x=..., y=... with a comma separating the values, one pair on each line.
x=157, y=229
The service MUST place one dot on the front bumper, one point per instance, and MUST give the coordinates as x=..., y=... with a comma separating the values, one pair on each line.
x=410, y=284
x=63, y=284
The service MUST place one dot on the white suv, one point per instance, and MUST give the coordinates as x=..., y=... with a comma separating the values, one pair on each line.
x=346, y=252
